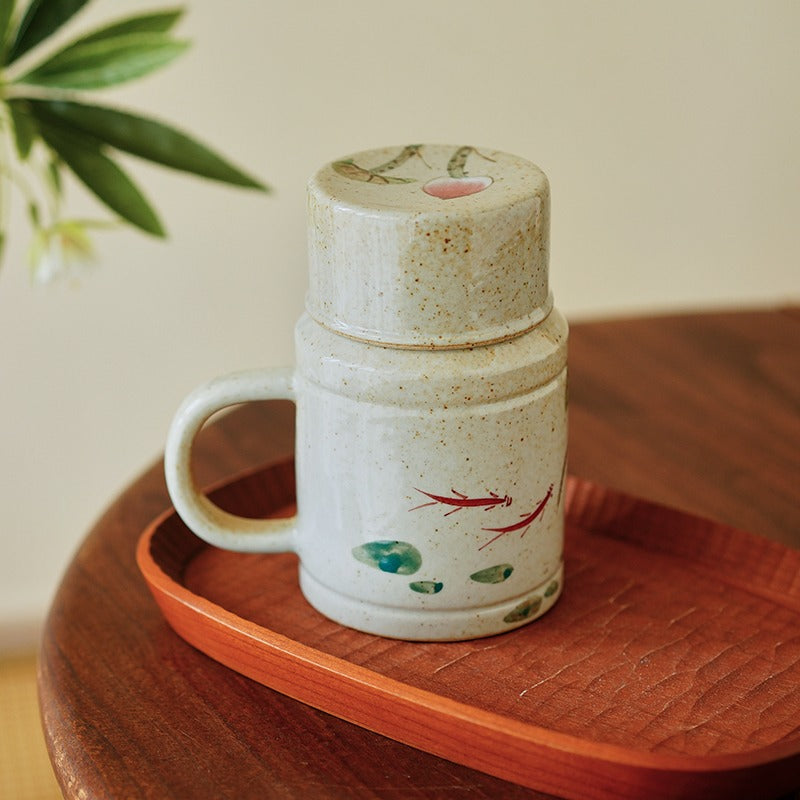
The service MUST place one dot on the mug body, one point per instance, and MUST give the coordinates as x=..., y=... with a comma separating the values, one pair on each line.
x=431, y=482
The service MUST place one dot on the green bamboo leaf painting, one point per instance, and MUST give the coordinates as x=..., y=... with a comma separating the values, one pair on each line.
x=104, y=178
x=143, y=137
x=42, y=18
x=105, y=62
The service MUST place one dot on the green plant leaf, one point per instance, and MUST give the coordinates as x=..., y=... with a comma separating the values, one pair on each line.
x=104, y=178
x=143, y=137
x=42, y=18
x=24, y=128
x=54, y=175
x=105, y=62
x=6, y=10
x=157, y=22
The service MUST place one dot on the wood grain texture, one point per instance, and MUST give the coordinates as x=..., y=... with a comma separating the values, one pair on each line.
x=669, y=668
x=701, y=412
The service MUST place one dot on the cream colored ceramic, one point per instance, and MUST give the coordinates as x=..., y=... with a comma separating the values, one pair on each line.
x=430, y=386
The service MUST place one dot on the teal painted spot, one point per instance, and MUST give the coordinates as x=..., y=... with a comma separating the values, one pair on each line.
x=523, y=610
x=391, y=562
x=426, y=587
x=400, y=558
x=551, y=589
x=495, y=574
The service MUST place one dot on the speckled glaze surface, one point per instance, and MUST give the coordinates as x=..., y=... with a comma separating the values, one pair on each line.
x=429, y=246
x=430, y=385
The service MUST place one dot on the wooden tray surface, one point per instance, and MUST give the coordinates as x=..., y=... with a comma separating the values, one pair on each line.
x=670, y=667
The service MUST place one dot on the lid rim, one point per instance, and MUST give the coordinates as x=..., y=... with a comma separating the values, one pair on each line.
x=461, y=340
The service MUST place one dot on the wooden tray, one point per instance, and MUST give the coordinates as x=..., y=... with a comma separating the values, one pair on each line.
x=670, y=667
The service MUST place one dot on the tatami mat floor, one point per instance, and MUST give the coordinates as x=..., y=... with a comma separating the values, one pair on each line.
x=25, y=771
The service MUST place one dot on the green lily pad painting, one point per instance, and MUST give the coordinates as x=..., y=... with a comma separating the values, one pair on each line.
x=495, y=574
x=426, y=587
x=400, y=558
x=551, y=589
x=523, y=610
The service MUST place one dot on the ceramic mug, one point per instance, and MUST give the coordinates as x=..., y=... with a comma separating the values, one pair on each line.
x=430, y=388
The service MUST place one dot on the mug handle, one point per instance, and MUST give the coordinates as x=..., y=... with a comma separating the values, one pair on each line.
x=208, y=521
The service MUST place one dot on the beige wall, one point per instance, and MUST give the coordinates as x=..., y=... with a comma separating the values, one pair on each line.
x=669, y=132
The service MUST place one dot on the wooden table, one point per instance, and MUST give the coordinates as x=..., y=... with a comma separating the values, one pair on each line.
x=700, y=411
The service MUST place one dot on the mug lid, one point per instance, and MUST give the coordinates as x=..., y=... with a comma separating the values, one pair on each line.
x=429, y=246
